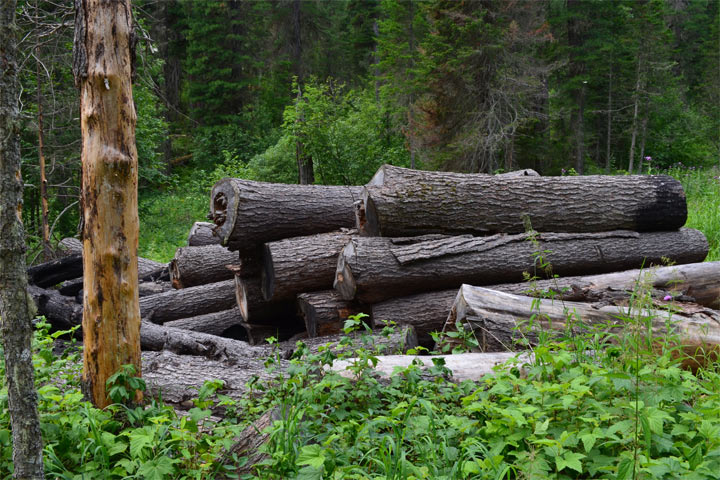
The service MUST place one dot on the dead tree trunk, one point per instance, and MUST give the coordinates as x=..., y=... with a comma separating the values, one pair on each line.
x=481, y=205
x=373, y=269
x=301, y=264
x=103, y=69
x=325, y=312
x=248, y=214
x=15, y=309
x=200, y=265
x=500, y=319
x=201, y=234
x=188, y=302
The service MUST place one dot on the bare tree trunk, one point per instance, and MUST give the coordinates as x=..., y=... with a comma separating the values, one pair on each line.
x=636, y=107
x=608, y=162
x=306, y=174
x=643, y=136
x=15, y=304
x=45, y=226
x=103, y=69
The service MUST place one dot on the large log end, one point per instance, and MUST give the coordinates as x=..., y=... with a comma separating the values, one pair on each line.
x=344, y=282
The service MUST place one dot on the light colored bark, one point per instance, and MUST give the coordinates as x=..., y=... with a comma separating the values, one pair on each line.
x=111, y=315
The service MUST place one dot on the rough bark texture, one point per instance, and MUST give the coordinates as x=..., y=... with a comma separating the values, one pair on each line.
x=70, y=246
x=325, y=312
x=248, y=213
x=370, y=270
x=301, y=264
x=103, y=71
x=15, y=304
x=427, y=312
x=188, y=302
x=497, y=318
x=463, y=366
x=201, y=234
x=389, y=175
x=62, y=312
x=255, y=310
x=248, y=444
x=148, y=270
x=200, y=265
x=481, y=205
x=223, y=324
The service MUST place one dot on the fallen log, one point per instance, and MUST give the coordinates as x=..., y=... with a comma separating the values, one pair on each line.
x=70, y=246
x=62, y=312
x=200, y=265
x=325, y=312
x=247, y=214
x=427, y=312
x=201, y=234
x=463, y=366
x=301, y=264
x=188, y=302
x=281, y=331
x=499, y=320
x=148, y=271
x=388, y=175
x=255, y=310
x=223, y=324
x=373, y=269
x=55, y=271
x=483, y=205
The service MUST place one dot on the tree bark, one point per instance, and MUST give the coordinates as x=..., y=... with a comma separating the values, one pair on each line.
x=188, y=302
x=373, y=269
x=70, y=246
x=45, y=225
x=148, y=271
x=103, y=70
x=325, y=312
x=255, y=310
x=248, y=213
x=201, y=234
x=56, y=271
x=497, y=319
x=200, y=265
x=482, y=205
x=15, y=305
x=301, y=264
x=225, y=323
x=390, y=175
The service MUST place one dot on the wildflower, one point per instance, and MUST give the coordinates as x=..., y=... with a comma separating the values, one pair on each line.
x=563, y=171
x=648, y=159
x=667, y=298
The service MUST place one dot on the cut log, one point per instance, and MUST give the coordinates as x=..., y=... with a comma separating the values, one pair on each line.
x=255, y=310
x=325, y=312
x=70, y=246
x=427, y=312
x=389, y=175
x=248, y=213
x=373, y=269
x=222, y=324
x=188, y=302
x=463, y=366
x=500, y=319
x=301, y=264
x=482, y=205
x=62, y=312
x=201, y=234
x=56, y=271
x=247, y=445
x=146, y=289
x=284, y=331
x=200, y=265
x=148, y=271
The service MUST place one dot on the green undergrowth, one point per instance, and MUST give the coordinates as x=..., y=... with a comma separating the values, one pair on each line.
x=594, y=403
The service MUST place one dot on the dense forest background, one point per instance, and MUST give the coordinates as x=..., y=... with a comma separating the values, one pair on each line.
x=326, y=91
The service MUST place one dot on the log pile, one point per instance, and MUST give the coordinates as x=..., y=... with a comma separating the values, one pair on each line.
x=298, y=260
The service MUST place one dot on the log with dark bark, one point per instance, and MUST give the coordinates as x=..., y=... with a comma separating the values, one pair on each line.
x=282, y=331
x=695, y=282
x=201, y=234
x=390, y=175
x=325, y=312
x=248, y=213
x=255, y=310
x=500, y=319
x=188, y=302
x=482, y=205
x=200, y=265
x=56, y=271
x=148, y=271
x=62, y=312
x=226, y=323
x=373, y=269
x=301, y=264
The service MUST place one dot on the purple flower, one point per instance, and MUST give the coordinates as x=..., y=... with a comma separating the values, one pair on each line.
x=648, y=159
x=667, y=298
